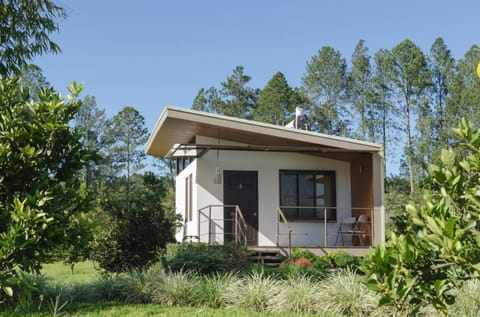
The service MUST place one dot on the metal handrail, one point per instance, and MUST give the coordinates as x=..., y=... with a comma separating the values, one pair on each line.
x=282, y=215
x=239, y=226
x=325, y=221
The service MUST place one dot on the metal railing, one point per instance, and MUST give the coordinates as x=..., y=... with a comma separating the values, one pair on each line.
x=326, y=217
x=215, y=225
x=281, y=215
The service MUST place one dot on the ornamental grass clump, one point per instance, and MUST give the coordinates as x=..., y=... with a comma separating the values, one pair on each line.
x=212, y=289
x=343, y=293
x=175, y=289
x=467, y=301
x=298, y=294
x=254, y=292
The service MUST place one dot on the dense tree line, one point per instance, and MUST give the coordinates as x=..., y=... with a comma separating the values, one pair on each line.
x=403, y=98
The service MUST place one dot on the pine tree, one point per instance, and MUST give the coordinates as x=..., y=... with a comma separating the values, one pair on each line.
x=324, y=83
x=277, y=101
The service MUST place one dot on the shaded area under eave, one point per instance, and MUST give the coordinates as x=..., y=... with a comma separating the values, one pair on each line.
x=180, y=126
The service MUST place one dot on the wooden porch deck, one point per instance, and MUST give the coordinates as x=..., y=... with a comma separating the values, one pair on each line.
x=357, y=251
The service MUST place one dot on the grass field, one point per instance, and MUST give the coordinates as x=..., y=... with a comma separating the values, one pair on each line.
x=59, y=272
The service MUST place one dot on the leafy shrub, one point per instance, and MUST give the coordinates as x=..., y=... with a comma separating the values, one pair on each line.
x=440, y=247
x=236, y=256
x=205, y=259
x=298, y=253
x=194, y=257
x=343, y=259
x=322, y=263
x=290, y=270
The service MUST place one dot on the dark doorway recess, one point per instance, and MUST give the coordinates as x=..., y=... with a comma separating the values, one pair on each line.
x=241, y=188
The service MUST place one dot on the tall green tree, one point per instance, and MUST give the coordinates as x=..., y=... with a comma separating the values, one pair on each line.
x=359, y=85
x=444, y=69
x=465, y=91
x=234, y=98
x=237, y=99
x=91, y=121
x=277, y=101
x=124, y=134
x=432, y=131
x=40, y=192
x=207, y=100
x=324, y=83
x=31, y=77
x=381, y=110
x=130, y=239
x=409, y=77
x=25, y=27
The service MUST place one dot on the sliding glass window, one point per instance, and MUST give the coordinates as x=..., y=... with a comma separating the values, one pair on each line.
x=306, y=195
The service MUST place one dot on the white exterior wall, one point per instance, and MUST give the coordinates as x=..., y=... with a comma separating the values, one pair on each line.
x=189, y=228
x=267, y=165
x=378, y=199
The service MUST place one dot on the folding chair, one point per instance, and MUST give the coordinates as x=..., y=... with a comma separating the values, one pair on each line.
x=361, y=229
x=345, y=228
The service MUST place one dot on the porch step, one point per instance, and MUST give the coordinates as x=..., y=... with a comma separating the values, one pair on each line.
x=271, y=257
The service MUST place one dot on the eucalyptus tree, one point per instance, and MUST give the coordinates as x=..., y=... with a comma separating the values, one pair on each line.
x=277, y=101
x=25, y=27
x=409, y=77
x=324, y=83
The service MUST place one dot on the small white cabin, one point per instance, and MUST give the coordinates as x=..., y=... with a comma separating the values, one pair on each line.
x=271, y=186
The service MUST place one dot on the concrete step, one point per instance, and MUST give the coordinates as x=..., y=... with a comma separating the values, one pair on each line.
x=271, y=257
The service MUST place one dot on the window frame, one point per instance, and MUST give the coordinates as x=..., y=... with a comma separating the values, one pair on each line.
x=188, y=198
x=317, y=217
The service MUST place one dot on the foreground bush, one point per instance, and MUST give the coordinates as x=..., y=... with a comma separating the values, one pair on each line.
x=441, y=245
x=205, y=259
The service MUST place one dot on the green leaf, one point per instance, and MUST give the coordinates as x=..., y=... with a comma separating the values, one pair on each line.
x=8, y=290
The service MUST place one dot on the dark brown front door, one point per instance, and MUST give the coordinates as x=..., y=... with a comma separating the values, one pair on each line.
x=241, y=188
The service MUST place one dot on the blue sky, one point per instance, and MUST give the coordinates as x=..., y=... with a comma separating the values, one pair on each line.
x=149, y=54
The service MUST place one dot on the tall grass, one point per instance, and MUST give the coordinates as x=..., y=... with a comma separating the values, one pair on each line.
x=341, y=294
x=467, y=300
x=254, y=291
x=344, y=294
x=212, y=290
x=175, y=289
x=298, y=294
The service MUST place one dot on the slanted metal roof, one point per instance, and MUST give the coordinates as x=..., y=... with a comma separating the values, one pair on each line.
x=180, y=126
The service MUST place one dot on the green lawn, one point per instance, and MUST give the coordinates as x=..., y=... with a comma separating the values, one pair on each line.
x=138, y=310
x=59, y=272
